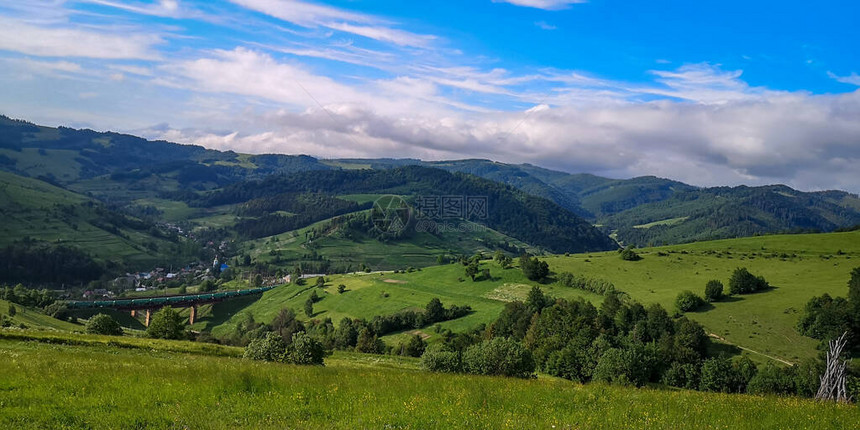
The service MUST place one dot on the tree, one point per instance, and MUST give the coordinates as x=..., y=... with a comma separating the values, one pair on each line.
x=500, y=356
x=825, y=317
x=341, y=288
x=166, y=324
x=713, y=291
x=183, y=289
x=628, y=254
x=103, y=324
x=536, y=300
x=472, y=270
x=258, y=280
x=369, y=343
x=296, y=276
x=206, y=286
x=434, y=311
x=688, y=301
x=533, y=268
x=744, y=282
x=305, y=350
x=415, y=347
x=268, y=348
x=309, y=307
x=320, y=283
x=12, y=311
x=440, y=358
x=718, y=375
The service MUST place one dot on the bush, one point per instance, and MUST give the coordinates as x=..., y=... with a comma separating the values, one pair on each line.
x=632, y=365
x=415, y=347
x=58, y=311
x=341, y=288
x=773, y=380
x=682, y=375
x=268, y=348
x=305, y=350
x=627, y=254
x=688, y=301
x=744, y=282
x=103, y=324
x=720, y=375
x=166, y=324
x=500, y=356
x=12, y=310
x=533, y=268
x=438, y=358
x=713, y=291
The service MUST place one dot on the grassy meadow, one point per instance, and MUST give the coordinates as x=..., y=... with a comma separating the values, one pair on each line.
x=110, y=387
x=798, y=267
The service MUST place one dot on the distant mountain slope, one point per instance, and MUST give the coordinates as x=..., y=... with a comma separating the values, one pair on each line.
x=64, y=229
x=128, y=171
x=648, y=210
x=531, y=219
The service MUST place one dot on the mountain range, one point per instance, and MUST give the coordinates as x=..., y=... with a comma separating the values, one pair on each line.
x=157, y=201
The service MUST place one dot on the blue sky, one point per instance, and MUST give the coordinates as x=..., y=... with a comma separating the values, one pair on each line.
x=710, y=93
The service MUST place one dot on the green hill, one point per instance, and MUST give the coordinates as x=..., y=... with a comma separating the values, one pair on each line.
x=623, y=206
x=99, y=387
x=798, y=266
x=40, y=217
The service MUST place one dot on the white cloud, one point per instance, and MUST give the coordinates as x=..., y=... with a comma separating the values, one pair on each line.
x=312, y=15
x=543, y=25
x=543, y=4
x=74, y=42
x=852, y=79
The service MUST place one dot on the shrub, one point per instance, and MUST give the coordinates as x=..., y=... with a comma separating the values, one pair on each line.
x=341, y=288
x=103, y=324
x=632, y=365
x=682, y=375
x=438, y=358
x=166, y=324
x=268, y=348
x=713, y=291
x=744, y=282
x=720, y=375
x=305, y=350
x=688, y=301
x=415, y=347
x=12, y=310
x=773, y=380
x=369, y=343
x=58, y=311
x=628, y=254
x=500, y=356
x=533, y=268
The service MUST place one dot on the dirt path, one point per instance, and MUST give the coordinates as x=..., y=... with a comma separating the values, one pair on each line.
x=721, y=339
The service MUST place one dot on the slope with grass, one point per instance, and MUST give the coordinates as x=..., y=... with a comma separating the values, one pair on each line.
x=36, y=209
x=96, y=387
x=36, y=320
x=798, y=266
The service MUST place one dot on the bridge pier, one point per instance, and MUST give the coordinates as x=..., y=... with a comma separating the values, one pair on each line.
x=133, y=313
x=192, y=315
x=148, y=316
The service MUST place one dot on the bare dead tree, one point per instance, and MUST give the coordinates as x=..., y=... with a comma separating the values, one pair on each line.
x=833, y=386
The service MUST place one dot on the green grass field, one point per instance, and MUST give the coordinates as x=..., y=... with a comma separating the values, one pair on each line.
x=420, y=250
x=111, y=387
x=798, y=266
x=764, y=321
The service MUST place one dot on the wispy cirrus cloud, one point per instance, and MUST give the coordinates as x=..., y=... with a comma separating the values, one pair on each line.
x=313, y=15
x=64, y=41
x=853, y=78
x=543, y=4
